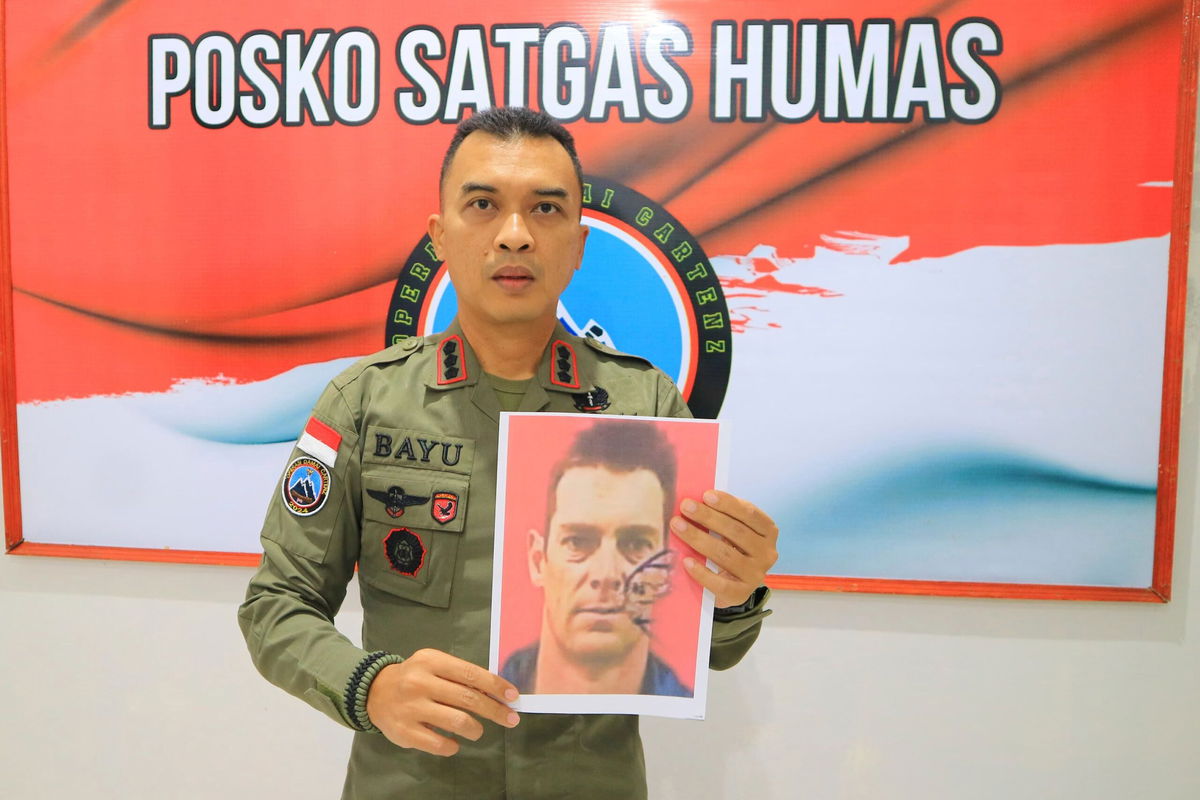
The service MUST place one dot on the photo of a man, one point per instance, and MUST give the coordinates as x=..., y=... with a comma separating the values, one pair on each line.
x=615, y=616
x=601, y=562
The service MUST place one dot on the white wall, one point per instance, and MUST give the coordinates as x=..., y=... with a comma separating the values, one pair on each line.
x=123, y=680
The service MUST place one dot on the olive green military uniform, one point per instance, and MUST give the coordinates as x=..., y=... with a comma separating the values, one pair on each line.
x=420, y=420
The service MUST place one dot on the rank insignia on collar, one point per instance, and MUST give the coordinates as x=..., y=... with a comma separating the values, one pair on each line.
x=405, y=551
x=451, y=366
x=563, y=369
x=445, y=507
x=592, y=401
x=395, y=500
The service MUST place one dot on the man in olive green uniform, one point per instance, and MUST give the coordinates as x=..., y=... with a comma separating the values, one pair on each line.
x=395, y=473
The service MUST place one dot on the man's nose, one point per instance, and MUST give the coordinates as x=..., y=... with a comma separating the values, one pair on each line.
x=608, y=571
x=514, y=235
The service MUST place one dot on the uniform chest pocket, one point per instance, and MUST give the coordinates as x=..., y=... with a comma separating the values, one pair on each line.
x=412, y=523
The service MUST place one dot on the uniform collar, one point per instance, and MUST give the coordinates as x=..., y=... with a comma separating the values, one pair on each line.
x=567, y=364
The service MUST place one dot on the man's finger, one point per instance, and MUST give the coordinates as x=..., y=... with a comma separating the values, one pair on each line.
x=716, y=548
x=727, y=590
x=466, y=698
x=419, y=737
x=738, y=534
x=452, y=720
x=462, y=672
x=745, y=512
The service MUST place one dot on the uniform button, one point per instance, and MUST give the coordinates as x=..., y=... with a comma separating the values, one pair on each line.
x=410, y=343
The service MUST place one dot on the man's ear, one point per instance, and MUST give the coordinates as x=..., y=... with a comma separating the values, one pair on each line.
x=583, y=234
x=435, y=234
x=537, y=556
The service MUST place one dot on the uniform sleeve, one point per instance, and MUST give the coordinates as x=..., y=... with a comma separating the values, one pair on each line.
x=308, y=560
x=732, y=633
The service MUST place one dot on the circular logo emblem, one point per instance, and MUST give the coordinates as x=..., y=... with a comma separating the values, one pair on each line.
x=305, y=486
x=405, y=551
x=646, y=287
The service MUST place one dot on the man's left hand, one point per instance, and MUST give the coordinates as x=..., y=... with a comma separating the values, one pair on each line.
x=736, y=535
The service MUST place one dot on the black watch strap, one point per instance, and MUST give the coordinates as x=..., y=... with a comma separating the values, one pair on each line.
x=733, y=611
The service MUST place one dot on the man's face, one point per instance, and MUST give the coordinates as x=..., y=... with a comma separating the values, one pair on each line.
x=604, y=525
x=509, y=228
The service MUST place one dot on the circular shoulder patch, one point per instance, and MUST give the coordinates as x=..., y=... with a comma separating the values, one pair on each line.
x=305, y=486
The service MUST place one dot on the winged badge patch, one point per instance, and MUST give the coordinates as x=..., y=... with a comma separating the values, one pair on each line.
x=395, y=500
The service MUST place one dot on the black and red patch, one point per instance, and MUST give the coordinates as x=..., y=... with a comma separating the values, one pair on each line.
x=563, y=369
x=445, y=507
x=452, y=367
x=592, y=401
x=405, y=551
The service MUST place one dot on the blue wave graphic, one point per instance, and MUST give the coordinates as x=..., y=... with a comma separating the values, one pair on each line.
x=974, y=515
x=264, y=412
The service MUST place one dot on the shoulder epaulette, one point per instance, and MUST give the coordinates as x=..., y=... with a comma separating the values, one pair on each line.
x=599, y=346
x=389, y=355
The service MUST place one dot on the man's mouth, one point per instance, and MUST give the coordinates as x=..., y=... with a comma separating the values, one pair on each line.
x=513, y=277
x=600, y=610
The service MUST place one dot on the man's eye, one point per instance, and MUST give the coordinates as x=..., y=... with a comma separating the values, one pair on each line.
x=481, y=203
x=637, y=549
x=545, y=208
x=578, y=544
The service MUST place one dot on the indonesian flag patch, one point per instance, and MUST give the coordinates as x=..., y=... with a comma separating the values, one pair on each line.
x=320, y=441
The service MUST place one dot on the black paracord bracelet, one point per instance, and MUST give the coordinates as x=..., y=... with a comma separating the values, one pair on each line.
x=355, y=698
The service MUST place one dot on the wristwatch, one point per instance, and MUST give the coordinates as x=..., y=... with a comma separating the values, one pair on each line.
x=733, y=611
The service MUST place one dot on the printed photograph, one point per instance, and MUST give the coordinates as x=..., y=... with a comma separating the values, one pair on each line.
x=592, y=611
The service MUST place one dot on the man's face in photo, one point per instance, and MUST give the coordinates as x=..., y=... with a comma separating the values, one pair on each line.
x=604, y=525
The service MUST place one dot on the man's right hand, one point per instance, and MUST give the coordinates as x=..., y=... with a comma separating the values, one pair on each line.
x=432, y=691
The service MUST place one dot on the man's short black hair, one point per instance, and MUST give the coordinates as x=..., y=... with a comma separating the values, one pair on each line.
x=512, y=122
x=620, y=446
